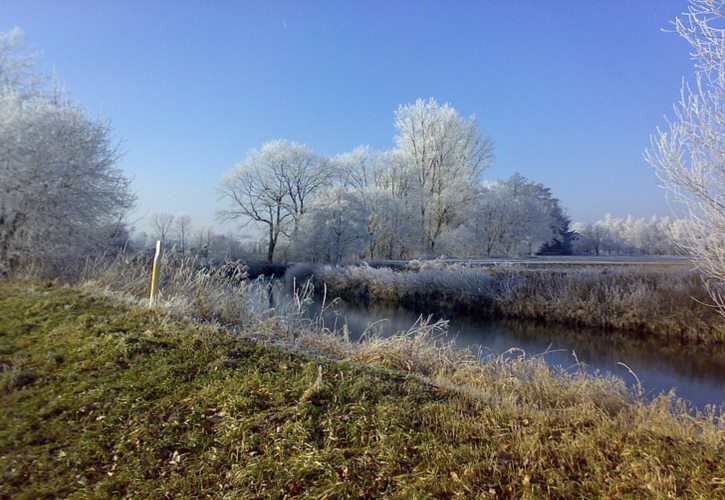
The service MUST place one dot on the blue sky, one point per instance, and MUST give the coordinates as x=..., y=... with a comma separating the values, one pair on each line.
x=569, y=91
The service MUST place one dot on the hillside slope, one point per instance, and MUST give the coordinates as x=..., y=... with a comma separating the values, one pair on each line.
x=99, y=399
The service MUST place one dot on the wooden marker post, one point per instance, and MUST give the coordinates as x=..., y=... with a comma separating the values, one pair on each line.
x=155, y=275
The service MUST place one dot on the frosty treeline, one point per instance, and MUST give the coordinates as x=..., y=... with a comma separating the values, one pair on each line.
x=630, y=236
x=61, y=194
x=178, y=234
x=423, y=198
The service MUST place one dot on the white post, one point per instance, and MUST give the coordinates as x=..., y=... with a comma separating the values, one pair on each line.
x=155, y=275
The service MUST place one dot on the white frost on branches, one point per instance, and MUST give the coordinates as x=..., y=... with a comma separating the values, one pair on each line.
x=443, y=156
x=689, y=157
x=61, y=194
x=271, y=188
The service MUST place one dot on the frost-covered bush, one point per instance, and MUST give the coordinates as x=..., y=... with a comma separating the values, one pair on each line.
x=61, y=194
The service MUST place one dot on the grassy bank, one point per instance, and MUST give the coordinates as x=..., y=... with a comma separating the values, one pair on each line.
x=667, y=301
x=101, y=399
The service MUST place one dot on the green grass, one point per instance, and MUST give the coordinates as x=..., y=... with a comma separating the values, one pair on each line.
x=103, y=400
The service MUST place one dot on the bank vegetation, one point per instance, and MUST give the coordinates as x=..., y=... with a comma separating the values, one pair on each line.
x=101, y=396
x=665, y=300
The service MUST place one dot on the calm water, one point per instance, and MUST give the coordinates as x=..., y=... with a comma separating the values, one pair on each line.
x=696, y=373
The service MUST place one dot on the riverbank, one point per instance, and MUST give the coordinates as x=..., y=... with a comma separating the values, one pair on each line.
x=100, y=397
x=666, y=301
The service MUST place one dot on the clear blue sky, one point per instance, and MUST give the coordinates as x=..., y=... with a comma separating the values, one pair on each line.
x=570, y=91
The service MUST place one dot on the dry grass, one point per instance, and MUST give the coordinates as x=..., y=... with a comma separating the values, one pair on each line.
x=220, y=294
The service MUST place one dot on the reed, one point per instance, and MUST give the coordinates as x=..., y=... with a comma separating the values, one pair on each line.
x=670, y=303
x=219, y=294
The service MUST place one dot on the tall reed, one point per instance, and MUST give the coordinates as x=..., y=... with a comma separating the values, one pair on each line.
x=641, y=300
x=219, y=294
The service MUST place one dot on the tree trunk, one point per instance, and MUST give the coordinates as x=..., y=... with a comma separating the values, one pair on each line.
x=272, y=244
x=270, y=252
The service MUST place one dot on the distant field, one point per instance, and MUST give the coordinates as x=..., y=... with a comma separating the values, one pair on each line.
x=554, y=260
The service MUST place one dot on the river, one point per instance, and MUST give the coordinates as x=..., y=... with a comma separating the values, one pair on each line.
x=696, y=373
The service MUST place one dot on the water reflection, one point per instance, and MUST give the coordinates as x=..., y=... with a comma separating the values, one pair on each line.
x=697, y=373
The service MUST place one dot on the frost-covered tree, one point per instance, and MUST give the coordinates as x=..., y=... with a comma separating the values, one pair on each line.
x=374, y=179
x=592, y=237
x=532, y=216
x=689, y=157
x=18, y=69
x=630, y=236
x=490, y=220
x=161, y=224
x=516, y=216
x=334, y=229
x=61, y=193
x=203, y=239
x=272, y=187
x=301, y=170
x=679, y=230
x=440, y=156
x=359, y=171
x=182, y=225
x=395, y=235
x=254, y=194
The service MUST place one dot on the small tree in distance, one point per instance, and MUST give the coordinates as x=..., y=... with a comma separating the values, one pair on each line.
x=161, y=224
x=689, y=158
x=182, y=223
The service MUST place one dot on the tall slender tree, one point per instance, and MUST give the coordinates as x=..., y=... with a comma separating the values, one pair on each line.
x=443, y=156
x=182, y=224
x=162, y=225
